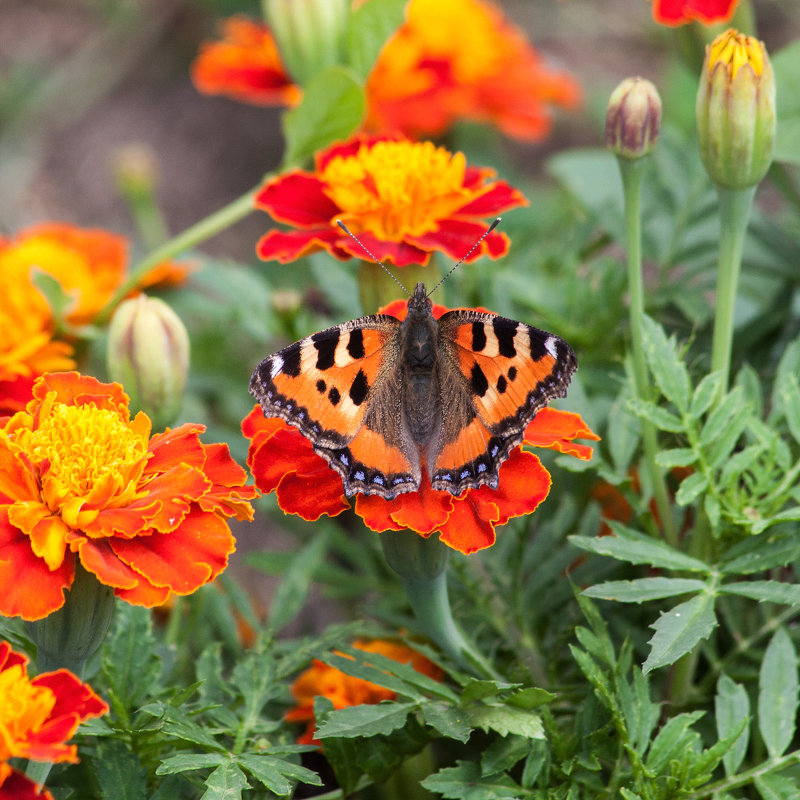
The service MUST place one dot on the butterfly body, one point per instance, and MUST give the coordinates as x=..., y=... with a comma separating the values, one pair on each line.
x=385, y=400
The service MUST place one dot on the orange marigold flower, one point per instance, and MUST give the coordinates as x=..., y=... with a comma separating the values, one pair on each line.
x=679, y=12
x=403, y=200
x=344, y=690
x=80, y=480
x=245, y=65
x=427, y=76
x=282, y=460
x=37, y=716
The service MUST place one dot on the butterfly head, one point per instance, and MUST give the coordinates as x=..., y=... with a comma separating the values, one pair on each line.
x=419, y=304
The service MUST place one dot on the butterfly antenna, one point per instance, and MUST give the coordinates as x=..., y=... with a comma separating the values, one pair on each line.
x=376, y=260
x=465, y=257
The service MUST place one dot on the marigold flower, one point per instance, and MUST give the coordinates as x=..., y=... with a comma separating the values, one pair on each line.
x=426, y=77
x=244, y=65
x=403, y=200
x=343, y=690
x=282, y=460
x=679, y=12
x=81, y=481
x=37, y=716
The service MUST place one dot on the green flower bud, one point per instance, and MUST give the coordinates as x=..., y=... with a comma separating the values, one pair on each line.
x=310, y=34
x=148, y=353
x=633, y=118
x=736, y=110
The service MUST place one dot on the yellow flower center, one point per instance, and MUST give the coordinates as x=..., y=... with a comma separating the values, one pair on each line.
x=85, y=446
x=23, y=710
x=735, y=50
x=395, y=189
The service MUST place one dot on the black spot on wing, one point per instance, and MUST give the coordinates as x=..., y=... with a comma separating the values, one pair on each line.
x=359, y=388
x=478, y=382
x=326, y=348
x=512, y=373
x=502, y=384
x=505, y=330
x=321, y=386
x=355, y=344
x=478, y=336
x=291, y=360
x=537, y=341
x=334, y=396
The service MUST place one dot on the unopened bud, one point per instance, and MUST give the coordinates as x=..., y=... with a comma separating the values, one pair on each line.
x=633, y=118
x=148, y=353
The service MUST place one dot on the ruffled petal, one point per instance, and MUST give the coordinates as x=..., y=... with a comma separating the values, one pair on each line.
x=297, y=198
x=455, y=237
x=556, y=430
x=286, y=246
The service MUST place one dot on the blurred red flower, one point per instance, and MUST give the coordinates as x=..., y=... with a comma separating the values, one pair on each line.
x=679, y=12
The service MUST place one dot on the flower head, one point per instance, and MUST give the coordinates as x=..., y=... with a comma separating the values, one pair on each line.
x=736, y=110
x=427, y=77
x=244, y=65
x=343, y=690
x=403, y=200
x=679, y=12
x=633, y=118
x=37, y=716
x=282, y=460
x=82, y=481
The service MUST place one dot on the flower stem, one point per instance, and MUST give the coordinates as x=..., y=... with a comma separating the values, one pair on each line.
x=422, y=566
x=631, y=171
x=191, y=237
x=734, y=210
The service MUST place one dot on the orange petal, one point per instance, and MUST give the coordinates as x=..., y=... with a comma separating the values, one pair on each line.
x=556, y=429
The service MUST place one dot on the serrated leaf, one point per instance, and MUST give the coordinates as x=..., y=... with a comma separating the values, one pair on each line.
x=676, y=457
x=365, y=720
x=776, y=787
x=183, y=762
x=679, y=630
x=590, y=668
x=465, y=782
x=635, y=548
x=708, y=388
x=277, y=774
x=664, y=420
x=676, y=737
x=478, y=689
x=789, y=393
x=759, y=553
x=719, y=420
x=447, y=720
x=765, y=591
x=666, y=365
x=624, y=432
x=369, y=27
x=731, y=706
x=641, y=714
x=530, y=697
x=642, y=589
x=703, y=765
x=691, y=488
x=119, y=773
x=503, y=754
x=226, y=782
x=777, y=694
x=176, y=722
x=331, y=109
x=504, y=720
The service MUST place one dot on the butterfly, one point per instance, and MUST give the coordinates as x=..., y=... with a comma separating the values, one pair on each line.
x=384, y=401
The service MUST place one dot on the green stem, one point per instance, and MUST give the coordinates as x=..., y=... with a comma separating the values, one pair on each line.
x=743, y=778
x=191, y=237
x=734, y=210
x=631, y=171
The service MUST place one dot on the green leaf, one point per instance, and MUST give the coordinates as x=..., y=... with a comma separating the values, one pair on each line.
x=59, y=301
x=370, y=26
x=636, y=548
x=183, y=762
x=673, y=740
x=777, y=694
x=292, y=592
x=447, y=720
x=676, y=457
x=691, y=488
x=477, y=689
x=465, y=782
x=789, y=393
x=731, y=706
x=274, y=772
x=666, y=365
x=641, y=714
x=664, y=420
x=679, y=630
x=226, y=782
x=786, y=68
x=624, y=432
x=766, y=591
x=366, y=720
x=119, y=773
x=759, y=553
x=642, y=589
x=504, y=720
x=331, y=109
x=704, y=394
x=719, y=421
x=503, y=754
x=776, y=787
x=178, y=723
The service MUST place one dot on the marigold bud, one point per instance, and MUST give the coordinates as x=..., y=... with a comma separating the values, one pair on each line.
x=148, y=353
x=736, y=110
x=310, y=34
x=633, y=118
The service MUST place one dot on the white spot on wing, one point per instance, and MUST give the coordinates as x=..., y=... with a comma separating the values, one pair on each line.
x=550, y=346
x=275, y=366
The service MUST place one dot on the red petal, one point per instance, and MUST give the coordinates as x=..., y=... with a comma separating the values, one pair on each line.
x=298, y=199
x=10, y=658
x=401, y=254
x=465, y=530
x=30, y=589
x=556, y=429
x=523, y=484
x=498, y=198
x=423, y=511
x=678, y=12
x=17, y=786
x=349, y=148
x=72, y=696
x=287, y=246
x=313, y=493
x=98, y=558
x=456, y=236
x=179, y=445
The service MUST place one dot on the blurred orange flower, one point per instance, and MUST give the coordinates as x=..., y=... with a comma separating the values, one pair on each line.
x=321, y=680
x=282, y=460
x=679, y=12
x=244, y=65
x=37, y=716
x=404, y=200
x=81, y=481
x=462, y=59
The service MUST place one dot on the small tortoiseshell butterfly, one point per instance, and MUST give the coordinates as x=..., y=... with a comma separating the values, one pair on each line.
x=383, y=399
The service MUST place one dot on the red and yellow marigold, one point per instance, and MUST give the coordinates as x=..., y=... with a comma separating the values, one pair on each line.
x=322, y=680
x=679, y=12
x=37, y=717
x=404, y=200
x=80, y=481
